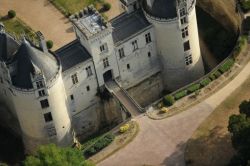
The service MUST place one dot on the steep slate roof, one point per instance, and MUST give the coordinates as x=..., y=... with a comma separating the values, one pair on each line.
x=72, y=54
x=29, y=59
x=7, y=46
x=126, y=25
x=164, y=9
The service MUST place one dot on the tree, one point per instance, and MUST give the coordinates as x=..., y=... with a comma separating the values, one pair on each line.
x=51, y=155
x=11, y=14
x=49, y=44
x=245, y=108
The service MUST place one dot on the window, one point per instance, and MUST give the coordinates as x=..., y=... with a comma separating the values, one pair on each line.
x=135, y=45
x=74, y=78
x=121, y=53
x=184, y=32
x=189, y=59
x=183, y=20
x=128, y=66
x=149, y=54
x=104, y=48
x=72, y=97
x=88, y=88
x=186, y=46
x=105, y=62
x=148, y=38
x=44, y=103
x=1, y=80
x=51, y=130
x=41, y=93
x=182, y=12
x=89, y=71
x=48, y=117
x=39, y=84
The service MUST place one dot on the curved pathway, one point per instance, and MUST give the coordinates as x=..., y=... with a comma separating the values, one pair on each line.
x=163, y=142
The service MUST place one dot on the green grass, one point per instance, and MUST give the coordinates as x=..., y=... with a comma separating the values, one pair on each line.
x=245, y=5
x=17, y=27
x=73, y=6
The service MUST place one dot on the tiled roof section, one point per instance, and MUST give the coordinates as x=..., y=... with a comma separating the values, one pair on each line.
x=126, y=25
x=72, y=54
x=164, y=9
x=7, y=46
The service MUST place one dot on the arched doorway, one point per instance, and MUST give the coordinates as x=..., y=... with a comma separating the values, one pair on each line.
x=107, y=76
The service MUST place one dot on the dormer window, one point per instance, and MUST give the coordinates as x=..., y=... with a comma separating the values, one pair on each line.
x=148, y=38
x=39, y=84
x=104, y=48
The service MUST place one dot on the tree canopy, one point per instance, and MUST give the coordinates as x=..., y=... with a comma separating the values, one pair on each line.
x=51, y=155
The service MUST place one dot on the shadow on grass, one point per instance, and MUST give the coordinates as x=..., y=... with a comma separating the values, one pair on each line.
x=212, y=149
x=4, y=18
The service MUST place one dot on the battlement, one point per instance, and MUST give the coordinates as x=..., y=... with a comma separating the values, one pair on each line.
x=90, y=21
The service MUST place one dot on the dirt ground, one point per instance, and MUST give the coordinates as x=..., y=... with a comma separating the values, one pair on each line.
x=115, y=9
x=40, y=15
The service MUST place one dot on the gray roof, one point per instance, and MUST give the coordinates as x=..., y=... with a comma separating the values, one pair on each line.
x=163, y=9
x=7, y=46
x=72, y=54
x=126, y=25
x=30, y=59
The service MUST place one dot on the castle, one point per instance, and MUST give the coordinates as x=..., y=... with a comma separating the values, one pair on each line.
x=55, y=96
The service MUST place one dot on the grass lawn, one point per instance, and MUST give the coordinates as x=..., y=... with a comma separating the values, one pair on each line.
x=73, y=6
x=17, y=27
x=211, y=142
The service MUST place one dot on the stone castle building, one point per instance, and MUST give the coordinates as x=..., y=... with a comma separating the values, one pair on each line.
x=152, y=46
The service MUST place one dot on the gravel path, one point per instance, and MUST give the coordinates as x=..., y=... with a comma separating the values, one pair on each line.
x=163, y=142
x=41, y=16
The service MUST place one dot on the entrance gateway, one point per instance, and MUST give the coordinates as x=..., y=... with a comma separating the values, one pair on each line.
x=108, y=76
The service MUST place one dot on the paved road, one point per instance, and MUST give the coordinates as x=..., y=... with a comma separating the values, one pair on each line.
x=162, y=142
x=41, y=16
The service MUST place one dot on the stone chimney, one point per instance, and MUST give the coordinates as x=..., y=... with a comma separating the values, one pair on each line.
x=42, y=41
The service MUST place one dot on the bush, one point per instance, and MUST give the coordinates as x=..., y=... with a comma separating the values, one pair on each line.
x=11, y=14
x=227, y=65
x=124, y=128
x=205, y=82
x=100, y=144
x=49, y=44
x=168, y=100
x=180, y=94
x=106, y=6
x=193, y=88
x=216, y=74
x=212, y=77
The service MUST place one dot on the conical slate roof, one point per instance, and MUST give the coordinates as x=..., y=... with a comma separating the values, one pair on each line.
x=7, y=46
x=164, y=9
x=29, y=59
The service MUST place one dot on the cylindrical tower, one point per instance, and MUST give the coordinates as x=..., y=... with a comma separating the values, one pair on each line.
x=39, y=98
x=177, y=40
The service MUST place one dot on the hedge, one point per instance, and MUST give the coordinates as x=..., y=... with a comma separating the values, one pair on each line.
x=216, y=74
x=100, y=144
x=168, y=100
x=180, y=94
x=227, y=65
x=193, y=88
x=205, y=82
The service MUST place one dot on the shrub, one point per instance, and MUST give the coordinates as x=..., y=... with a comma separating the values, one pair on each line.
x=212, y=77
x=193, y=88
x=49, y=44
x=216, y=74
x=106, y=6
x=100, y=144
x=168, y=100
x=205, y=82
x=180, y=94
x=11, y=14
x=227, y=65
x=124, y=128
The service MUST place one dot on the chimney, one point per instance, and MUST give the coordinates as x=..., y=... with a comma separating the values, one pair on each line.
x=42, y=41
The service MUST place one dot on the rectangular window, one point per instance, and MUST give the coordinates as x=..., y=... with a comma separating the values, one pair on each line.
x=121, y=53
x=182, y=12
x=148, y=38
x=89, y=71
x=88, y=88
x=184, y=20
x=105, y=62
x=104, y=48
x=39, y=84
x=51, y=130
x=41, y=93
x=72, y=97
x=74, y=78
x=128, y=66
x=188, y=59
x=48, y=117
x=149, y=54
x=184, y=32
x=44, y=103
x=135, y=45
x=186, y=46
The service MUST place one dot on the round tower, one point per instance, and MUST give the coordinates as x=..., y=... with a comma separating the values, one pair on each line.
x=177, y=40
x=39, y=97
